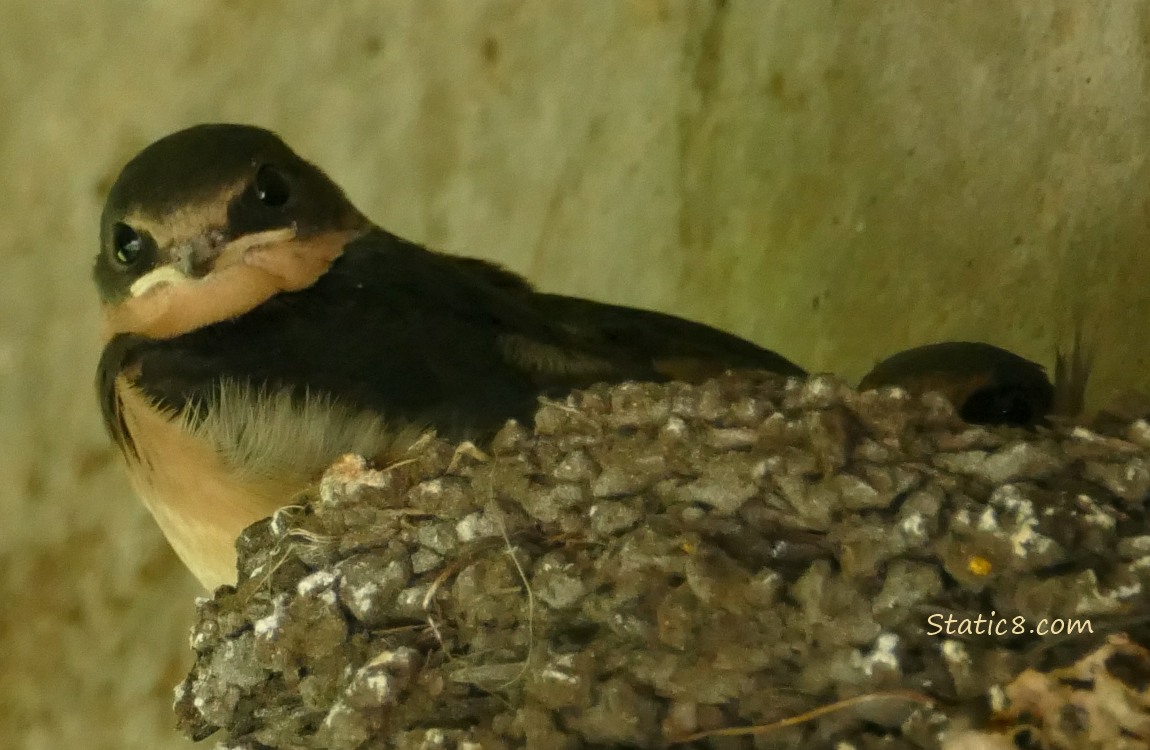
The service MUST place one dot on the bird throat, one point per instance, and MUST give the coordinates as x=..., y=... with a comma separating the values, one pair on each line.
x=247, y=273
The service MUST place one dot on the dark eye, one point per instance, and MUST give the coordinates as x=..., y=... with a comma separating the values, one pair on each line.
x=1001, y=406
x=126, y=244
x=272, y=187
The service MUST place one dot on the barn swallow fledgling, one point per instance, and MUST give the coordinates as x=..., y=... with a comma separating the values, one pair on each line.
x=258, y=326
x=986, y=384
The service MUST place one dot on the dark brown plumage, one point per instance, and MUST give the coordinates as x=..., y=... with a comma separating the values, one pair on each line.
x=986, y=384
x=258, y=326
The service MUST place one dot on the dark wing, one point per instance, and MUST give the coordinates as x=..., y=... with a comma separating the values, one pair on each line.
x=675, y=348
x=665, y=346
x=492, y=273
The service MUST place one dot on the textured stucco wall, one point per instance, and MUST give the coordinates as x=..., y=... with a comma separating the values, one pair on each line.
x=834, y=179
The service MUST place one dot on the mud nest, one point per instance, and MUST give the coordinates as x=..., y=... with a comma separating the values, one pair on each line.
x=650, y=563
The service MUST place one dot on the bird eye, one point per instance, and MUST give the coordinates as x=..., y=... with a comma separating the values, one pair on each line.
x=999, y=406
x=271, y=186
x=126, y=244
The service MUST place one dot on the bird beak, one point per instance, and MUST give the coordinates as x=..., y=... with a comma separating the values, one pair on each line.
x=202, y=255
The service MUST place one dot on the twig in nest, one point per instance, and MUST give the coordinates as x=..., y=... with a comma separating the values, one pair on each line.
x=814, y=713
x=530, y=596
x=450, y=570
x=573, y=411
x=294, y=537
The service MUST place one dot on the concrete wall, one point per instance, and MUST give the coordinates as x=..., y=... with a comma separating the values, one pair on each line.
x=835, y=179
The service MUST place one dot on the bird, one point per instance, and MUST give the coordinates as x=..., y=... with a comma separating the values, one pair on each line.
x=986, y=384
x=257, y=326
